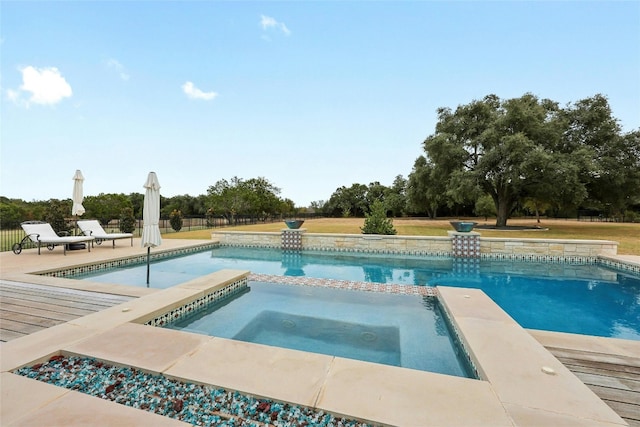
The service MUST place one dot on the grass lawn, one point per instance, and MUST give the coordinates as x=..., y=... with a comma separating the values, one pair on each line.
x=626, y=234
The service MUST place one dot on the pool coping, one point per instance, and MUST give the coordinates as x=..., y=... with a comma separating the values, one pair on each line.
x=516, y=390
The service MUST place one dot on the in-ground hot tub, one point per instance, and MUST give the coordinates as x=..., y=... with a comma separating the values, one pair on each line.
x=409, y=331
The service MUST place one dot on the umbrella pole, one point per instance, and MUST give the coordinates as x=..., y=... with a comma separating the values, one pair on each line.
x=148, y=257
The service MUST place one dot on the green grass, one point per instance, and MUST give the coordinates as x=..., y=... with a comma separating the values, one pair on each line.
x=626, y=234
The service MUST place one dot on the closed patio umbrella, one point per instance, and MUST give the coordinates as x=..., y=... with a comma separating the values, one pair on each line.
x=151, y=217
x=77, y=209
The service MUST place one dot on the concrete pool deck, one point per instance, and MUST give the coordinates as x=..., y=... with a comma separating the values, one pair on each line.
x=522, y=383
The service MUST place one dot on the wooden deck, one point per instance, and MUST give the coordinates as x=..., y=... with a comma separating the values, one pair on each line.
x=27, y=308
x=614, y=378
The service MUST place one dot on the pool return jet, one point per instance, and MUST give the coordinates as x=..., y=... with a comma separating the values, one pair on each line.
x=151, y=217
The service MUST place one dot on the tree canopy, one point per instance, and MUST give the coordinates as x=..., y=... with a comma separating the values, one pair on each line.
x=357, y=200
x=527, y=148
x=257, y=197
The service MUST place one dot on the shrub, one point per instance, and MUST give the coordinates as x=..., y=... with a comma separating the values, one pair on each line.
x=175, y=219
x=55, y=215
x=631, y=216
x=376, y=222
x=127, y=221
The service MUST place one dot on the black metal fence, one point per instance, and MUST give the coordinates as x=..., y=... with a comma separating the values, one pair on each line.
x=592, y=215
x=11, y=236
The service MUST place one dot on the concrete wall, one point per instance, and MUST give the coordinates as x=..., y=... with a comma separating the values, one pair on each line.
x=490, y=247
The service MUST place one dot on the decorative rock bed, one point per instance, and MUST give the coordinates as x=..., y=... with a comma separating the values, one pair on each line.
x=192, y=403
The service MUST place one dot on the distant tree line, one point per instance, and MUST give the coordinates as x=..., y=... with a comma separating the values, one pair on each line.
x=256, y=197
x=490, y=157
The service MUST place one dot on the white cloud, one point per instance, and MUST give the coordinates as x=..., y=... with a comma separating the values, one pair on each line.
x=45, y=85
x=118, y=67
x=267, y=22
x=194, y=93
x=13, y=95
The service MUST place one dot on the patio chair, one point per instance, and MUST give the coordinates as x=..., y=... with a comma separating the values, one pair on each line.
x=91, y=227
x=41, y=233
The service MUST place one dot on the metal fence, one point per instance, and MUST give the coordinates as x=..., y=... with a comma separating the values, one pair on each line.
x=11, y=236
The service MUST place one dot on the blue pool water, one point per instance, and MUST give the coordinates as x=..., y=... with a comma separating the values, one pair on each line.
x=392, y=329
x=583, y=299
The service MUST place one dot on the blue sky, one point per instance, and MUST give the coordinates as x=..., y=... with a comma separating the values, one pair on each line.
x=310, y=95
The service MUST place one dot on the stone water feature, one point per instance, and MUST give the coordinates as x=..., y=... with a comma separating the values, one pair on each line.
x=292, y=236
x=464, y=242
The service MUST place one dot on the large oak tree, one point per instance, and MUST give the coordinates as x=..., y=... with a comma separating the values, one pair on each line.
x=530, y=149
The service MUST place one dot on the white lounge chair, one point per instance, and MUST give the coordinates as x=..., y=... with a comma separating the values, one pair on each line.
x=91, y=227
x=41, y=233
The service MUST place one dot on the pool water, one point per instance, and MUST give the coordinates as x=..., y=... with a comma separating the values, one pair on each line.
x=391, y=329
x=563, y=297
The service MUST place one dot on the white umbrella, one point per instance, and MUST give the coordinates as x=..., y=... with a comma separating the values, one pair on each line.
x=77, y=209
x=151, y=216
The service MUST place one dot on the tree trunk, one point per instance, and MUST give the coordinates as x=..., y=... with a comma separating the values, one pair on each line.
x=503, y=209
x=433, y=212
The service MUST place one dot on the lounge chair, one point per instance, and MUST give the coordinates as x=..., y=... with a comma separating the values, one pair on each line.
x=41, y=233
x=91, y=227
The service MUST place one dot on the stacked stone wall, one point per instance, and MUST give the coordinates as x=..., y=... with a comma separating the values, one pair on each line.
x=490, y=247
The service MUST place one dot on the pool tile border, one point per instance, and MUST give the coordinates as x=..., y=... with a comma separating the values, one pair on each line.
x=460, y=341
x=347, y=284
x=200, y=303
x=129, y=261
x=619, y=265
x=439, y=254
x=541, y=258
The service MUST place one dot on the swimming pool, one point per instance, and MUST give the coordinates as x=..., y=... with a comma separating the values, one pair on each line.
x=391, y=329
x=564, y=297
